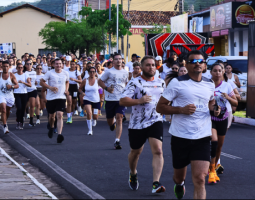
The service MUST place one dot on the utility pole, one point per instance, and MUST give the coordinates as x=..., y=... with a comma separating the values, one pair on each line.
x=122, y=38
x=66, y=11
x=128, y=35
x=98, y=4
x=110, y=18
x=117, y=31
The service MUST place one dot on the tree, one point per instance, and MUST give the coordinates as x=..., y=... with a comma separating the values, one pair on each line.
x=156, y=29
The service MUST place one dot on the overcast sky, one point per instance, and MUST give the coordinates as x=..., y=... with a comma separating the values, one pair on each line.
x=8, y=2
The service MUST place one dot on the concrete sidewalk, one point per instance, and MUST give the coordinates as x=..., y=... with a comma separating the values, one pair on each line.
x=17, y=184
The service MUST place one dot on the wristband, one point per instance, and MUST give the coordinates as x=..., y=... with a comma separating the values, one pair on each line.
x=106, y=89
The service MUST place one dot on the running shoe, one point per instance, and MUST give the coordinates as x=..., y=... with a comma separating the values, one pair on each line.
x=219, y=169
x=90, y=133
x=179, y=191
x=157, y=188
x=69, y=120
x=79, y=109
x=112, y=127
x=94, y=122
x=133, y=181
x=38, y=121
x=6, y=130
x=41, y=113
x=55, y=130
x=50, y=133
x=28, y=116
x=216, y=177
x=21, y=126
x=211, y=178
x=32, y=125
x=100, y=114
x=17, y=127
x=117, y=145
x=34, y=114
x=82, y=114
x=60, y=138
x=76, y=113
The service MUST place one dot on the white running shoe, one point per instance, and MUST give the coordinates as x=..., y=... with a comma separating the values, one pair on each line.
x=94, y=122
x=41, y=113
x=28, y=116
x=76, y=113
x=38, y=121
x=6, y=130
x=79, y=109
x=90, y=133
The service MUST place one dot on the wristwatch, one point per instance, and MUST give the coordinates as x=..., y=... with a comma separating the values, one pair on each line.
x=105, y=88
x=12, y=86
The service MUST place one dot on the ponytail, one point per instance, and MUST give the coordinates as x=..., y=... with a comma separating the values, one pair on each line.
x=225, y=77
x=170, y=76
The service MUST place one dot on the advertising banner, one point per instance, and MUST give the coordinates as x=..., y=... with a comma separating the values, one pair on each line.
x=196, y=25
x=179, y=24
x=6, y=48
x=221, y=17
x=242, y=14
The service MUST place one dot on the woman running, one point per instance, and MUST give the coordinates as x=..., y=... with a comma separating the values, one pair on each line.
x=100, y=90
x=31, y=91
x=182, y=71
x=233, y=77
x=20, y=95
x=91, y=99
x=175, y=67
x=136, y=71
x=224, y=95
x=74, y=79
x=39, y=103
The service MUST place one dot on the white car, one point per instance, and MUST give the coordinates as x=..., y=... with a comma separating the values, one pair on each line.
x=238, y=62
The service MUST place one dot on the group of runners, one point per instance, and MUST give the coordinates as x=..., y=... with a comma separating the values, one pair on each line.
x=200, y=104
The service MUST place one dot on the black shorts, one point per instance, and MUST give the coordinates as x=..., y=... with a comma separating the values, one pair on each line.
x=39, y=92
x=32, y=94
x=56, y=105
x=220, y=126
x=112, y=108
x=185, y=150
x=138, y=137
x=94, y=105
x=72, y=89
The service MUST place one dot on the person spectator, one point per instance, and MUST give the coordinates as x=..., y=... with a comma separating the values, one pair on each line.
x=138, y=58
x=158, y=62
x=130, y=64
x=174, y=56
x=54, y=54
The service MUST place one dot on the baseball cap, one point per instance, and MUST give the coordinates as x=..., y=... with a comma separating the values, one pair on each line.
x=68, y=58
x=158, y=58
x=138, y=56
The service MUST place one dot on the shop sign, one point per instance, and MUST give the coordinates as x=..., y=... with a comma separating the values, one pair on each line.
x=136, y=31
x=221, y=17
x=244, y=14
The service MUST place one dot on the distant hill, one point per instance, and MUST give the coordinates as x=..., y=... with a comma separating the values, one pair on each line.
x=56, y=7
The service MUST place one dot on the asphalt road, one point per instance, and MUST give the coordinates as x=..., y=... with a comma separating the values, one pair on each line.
x=93, y=161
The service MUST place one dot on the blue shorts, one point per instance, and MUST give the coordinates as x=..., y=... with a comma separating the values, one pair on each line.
x=112, y=108
x=94, y=105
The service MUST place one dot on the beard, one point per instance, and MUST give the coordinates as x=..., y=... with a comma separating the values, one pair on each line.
x=148, y=74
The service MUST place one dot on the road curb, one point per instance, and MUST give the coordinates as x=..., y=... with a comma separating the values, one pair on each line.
x=246, y=121
x=41, y=186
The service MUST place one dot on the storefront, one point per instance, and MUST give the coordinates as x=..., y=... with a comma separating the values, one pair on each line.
x=229, y=27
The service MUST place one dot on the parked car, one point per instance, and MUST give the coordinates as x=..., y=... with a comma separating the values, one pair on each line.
x=240, y=63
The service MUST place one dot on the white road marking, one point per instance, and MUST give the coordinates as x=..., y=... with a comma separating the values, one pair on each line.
x=41, y=186
x=230, y=156
x=86, y=190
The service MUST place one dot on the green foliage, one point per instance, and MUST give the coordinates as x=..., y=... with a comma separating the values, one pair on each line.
x=72, y=36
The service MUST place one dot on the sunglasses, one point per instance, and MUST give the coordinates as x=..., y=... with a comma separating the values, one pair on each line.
x=174, y=68
x=92, y=71
x=38, y=68
x=194, y=61
x=29, y=64
x=19, y=67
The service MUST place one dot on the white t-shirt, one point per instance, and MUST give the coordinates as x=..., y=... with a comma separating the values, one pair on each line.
x=116, y=79
x=44, y=68
x=38, y=78
x=233, y=85
x=224, y=87
x=22, y=87
x=183, y=91
x=66, y=68
x=32, y=76
x=99, y=76
x=86, y=75
x=72, y=74
x=130, y=66
x=14, y=70
x=56, y=80
x=207, y=74
x=11, y=68
x=144, y=115
x=166, y=70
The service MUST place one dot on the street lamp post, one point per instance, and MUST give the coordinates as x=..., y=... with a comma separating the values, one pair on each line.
x=117, y=33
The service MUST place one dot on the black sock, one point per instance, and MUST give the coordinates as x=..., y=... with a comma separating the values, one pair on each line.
x=38, y=116
x=27, y=111
x=156, y=182
x=31, y=120
x=5, y=125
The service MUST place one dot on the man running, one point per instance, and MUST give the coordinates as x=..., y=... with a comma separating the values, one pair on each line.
x=8, y=82
x=143, y=93
x=58, y=83
x=113, y=82
x=192, y=97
